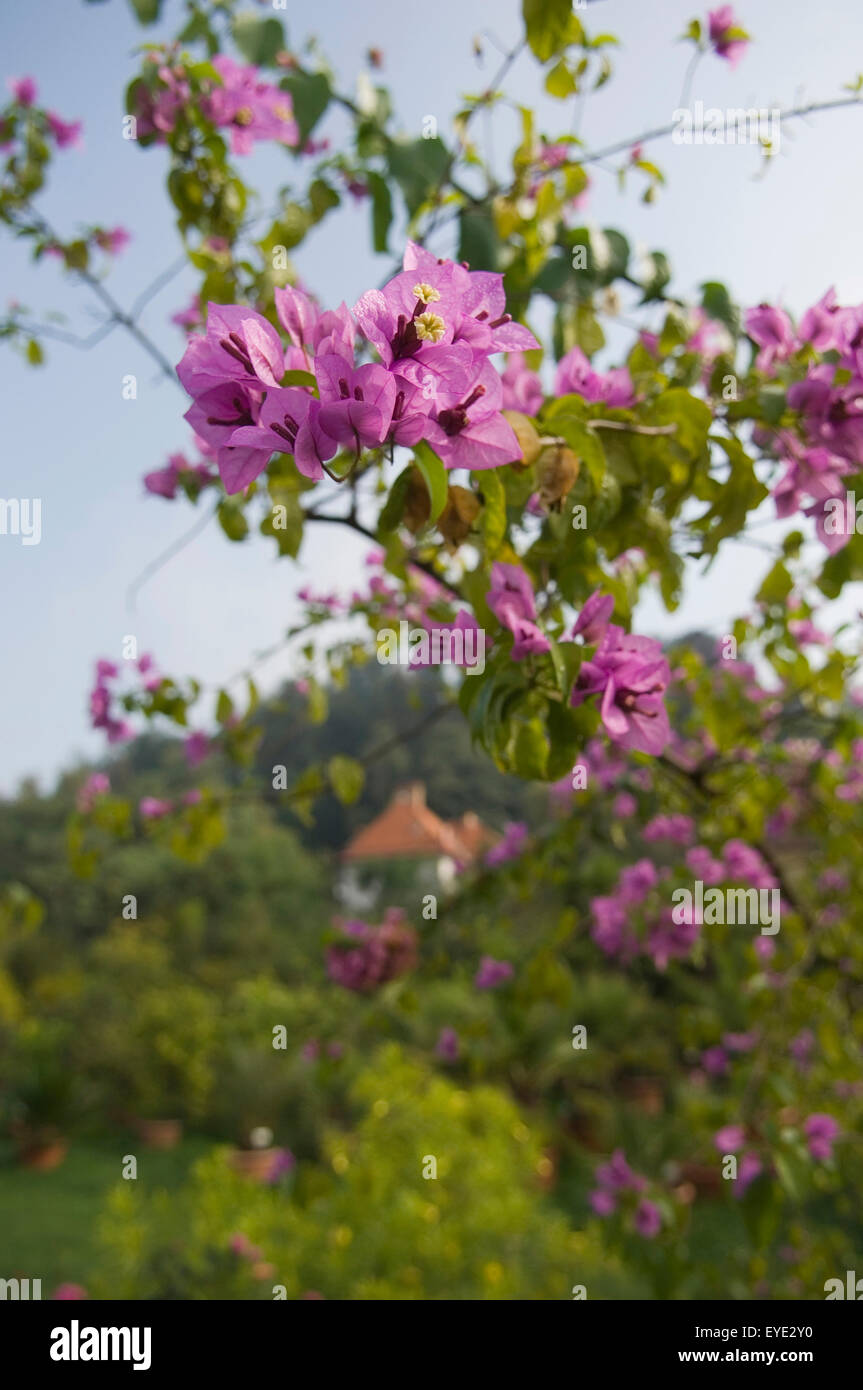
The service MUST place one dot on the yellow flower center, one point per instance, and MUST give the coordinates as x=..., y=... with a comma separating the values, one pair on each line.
x=427, y=293
x=244, y=116
x=430, y=327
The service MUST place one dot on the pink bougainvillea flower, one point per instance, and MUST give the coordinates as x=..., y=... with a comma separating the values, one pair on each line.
x=592, y=621
x=773, y=333
x=66, y=133
x=636, y=881
x=492, y=973
x=510, y=846
x=522, y=388
x=196, y=747
x=631, y=675
x=356, y=402
x=250, y=108
x=528, y=639
x=729, y=1139
x=715, y=1061
x=190, y=317
x=647, y=1219
x=239, y=345
x=162, y=482
x=23, y=89
x=289, y=423
x=310, y=330
x=474, y=433
x=97, y=784
x=113, y=240
x=821, y=1132
x=748, y=1169
x=602, y=1201
x=447, y=1045
x=153, y=808
x=511, y=594
x=575, y=375
x=624, y=806
x=616, y=1175
x=821, y=325
x=677, y=829
x=727, y=38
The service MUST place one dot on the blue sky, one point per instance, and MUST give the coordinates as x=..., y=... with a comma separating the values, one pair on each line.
x=72, y=440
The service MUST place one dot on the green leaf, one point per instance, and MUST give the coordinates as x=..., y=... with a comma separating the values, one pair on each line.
x=418, y=166
x=393, y=509
x=258, y=39
x=435, y=477
x=310, y=92
x=546, y=25
x=346, y=778
x=530, y=750
x=35, y=355
x=232, y=520
x=493, y=519
x=478, y=242
x=147, y=11
x=322, y=199
x=382, y=209
x=560, y=82
x=224, y=707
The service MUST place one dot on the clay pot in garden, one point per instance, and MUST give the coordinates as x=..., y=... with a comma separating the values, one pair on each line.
x=159, y=1134
x=253, y=1163
x=42, y=1153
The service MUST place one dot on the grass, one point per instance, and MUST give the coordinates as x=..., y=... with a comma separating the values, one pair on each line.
x=48, y=1220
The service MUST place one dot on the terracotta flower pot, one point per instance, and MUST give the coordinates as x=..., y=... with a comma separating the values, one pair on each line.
x=42, y=1155
x=253, y=1163
x=159, y=1134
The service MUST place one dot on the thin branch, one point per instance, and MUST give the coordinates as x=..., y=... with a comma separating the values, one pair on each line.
x=354, y=525
x=793, y=113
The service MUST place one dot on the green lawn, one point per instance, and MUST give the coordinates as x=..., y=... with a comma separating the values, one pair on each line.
x=48, y=1220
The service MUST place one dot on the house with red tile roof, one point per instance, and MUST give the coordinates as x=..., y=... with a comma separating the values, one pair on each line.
x=408, y=830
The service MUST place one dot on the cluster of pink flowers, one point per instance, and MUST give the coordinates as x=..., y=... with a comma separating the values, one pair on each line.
x=510, y=846
x=98, y=784
x=613, y=1180
x=103, y=700
x=575, y=375
x=435, y=327
x=241, y=102
x=821, y=1132
x=156, y=808
x=369, y=956
x=675, y=829
x=666, y=939
x=511, y=599
x=629, y=674
x=65, y=134
x=829, y=402
x=164, y=482
x=492, y=973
